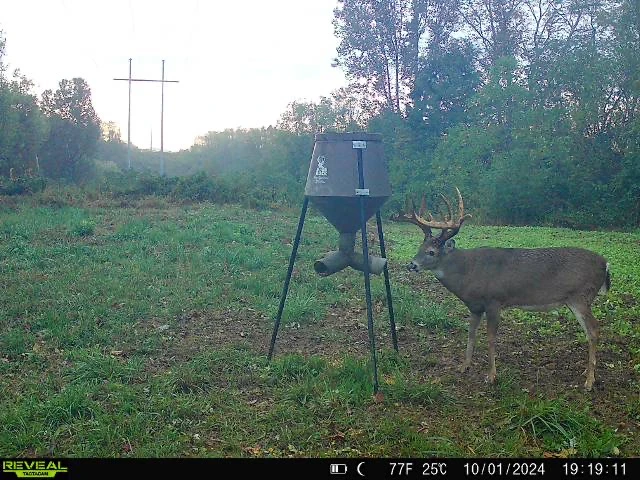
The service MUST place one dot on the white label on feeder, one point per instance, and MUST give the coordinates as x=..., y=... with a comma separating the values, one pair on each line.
x=359, y=144
x=321, y=170
x=364, y=192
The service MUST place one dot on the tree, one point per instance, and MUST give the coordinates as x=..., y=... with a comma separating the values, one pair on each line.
x=349, y=110
x=110, y=132
x=445, y=83
x=625, y=25
x=74, y=130
x=111, y=148
x=340, y=112
x=22, y=126
x=380, y=43
x=302, y=117
x=498, y=26
x=3, y=45
x=626, y=186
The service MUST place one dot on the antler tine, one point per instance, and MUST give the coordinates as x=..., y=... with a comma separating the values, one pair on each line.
x=453, y=226
x=449, y=226
x=463, y=216
x=409, y=215
x=449, y=216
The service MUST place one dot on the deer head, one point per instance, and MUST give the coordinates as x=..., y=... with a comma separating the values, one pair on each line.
x=433, y=249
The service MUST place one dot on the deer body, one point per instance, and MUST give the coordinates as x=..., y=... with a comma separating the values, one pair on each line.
x=535, y=279
x=488, y=280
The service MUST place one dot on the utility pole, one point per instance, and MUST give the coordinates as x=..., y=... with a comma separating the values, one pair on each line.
x=162, y=172
x=129, y=123
x=163, y=81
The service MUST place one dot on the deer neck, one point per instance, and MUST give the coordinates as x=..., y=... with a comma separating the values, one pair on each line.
x=451, y=270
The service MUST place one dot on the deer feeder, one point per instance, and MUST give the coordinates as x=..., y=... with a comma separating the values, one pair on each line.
x=333, y=186
x=347, y=182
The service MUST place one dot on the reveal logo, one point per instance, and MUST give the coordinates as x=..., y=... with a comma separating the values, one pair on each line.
x=33, y=468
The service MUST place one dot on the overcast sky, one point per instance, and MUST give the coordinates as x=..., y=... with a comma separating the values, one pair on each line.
x=238, y=62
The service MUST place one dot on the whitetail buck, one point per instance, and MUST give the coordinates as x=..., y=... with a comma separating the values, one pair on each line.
x=490, y=279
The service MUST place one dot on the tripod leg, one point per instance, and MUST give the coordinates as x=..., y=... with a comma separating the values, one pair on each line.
x=387, y=283
x=285, y=289
x=367, y=279
x=367, y=287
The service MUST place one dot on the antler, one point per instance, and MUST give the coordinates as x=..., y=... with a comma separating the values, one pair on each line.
x=409, y=215
x=449, y=226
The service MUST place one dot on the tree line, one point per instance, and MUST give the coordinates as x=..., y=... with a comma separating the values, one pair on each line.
x=55, y=136
x=530, y=107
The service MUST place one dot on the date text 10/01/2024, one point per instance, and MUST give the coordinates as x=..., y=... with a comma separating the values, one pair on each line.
x=578, y=468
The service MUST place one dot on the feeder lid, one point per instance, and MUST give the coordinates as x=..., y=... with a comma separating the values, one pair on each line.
x=348, y=137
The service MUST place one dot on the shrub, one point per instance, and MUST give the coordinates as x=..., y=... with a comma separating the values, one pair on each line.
x=22, y=185
x=135, y=184
x=198, y=187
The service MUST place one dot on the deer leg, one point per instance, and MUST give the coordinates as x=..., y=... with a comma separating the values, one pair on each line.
x=471, y=340
x=592, y=330
x=493, y=316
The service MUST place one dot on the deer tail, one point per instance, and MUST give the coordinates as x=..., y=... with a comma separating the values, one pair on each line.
x=606, y=286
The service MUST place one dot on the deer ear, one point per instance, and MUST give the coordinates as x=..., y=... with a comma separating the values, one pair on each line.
x=449, y=245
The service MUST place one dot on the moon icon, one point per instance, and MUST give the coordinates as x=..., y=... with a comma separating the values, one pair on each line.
x=358, y=469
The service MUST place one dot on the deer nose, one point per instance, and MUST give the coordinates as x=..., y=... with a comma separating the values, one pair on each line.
x=412, y=267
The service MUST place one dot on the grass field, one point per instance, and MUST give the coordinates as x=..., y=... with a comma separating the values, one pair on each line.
x=142, y=330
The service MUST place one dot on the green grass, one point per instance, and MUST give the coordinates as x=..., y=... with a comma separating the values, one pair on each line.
x=122, y=333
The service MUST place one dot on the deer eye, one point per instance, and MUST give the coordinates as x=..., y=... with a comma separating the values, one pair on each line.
x=431, y=253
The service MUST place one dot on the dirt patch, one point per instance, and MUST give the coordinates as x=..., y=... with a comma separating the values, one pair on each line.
x=548, y=366
x=546, y=369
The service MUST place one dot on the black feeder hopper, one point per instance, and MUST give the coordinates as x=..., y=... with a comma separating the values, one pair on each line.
x=348, y=183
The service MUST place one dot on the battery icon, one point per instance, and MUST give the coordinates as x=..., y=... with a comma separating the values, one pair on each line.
x=338, y=469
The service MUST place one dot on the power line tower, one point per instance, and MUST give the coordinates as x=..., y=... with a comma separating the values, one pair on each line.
x=162, y=81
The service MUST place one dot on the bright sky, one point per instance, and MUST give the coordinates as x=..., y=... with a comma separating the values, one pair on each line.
x=238, y=62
